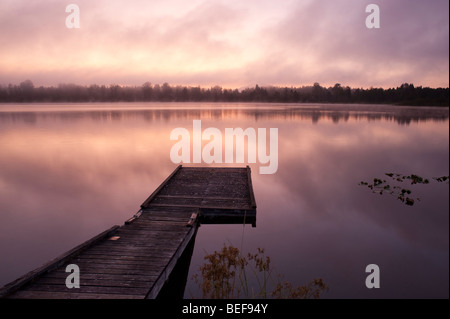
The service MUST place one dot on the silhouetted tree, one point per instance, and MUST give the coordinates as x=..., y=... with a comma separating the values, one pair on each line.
x=216, y=93
x=405, y=94
x=27, y=90
x=166, y=92
x=147, y=91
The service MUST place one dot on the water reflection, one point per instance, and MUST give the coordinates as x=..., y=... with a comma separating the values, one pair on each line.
x=176, y=111
x=68, y=175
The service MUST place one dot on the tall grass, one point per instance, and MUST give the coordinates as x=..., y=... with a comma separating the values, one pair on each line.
x=227, y=274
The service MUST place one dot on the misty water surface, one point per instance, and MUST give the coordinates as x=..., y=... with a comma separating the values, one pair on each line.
x=69, y=171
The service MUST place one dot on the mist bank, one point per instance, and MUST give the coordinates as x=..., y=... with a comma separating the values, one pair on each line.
x=405, y=94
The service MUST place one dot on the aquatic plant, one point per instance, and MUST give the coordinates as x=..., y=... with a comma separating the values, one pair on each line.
x=381, y=186
x=224, y=275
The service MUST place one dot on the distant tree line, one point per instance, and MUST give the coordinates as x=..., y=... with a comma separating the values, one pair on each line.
x=406, y=94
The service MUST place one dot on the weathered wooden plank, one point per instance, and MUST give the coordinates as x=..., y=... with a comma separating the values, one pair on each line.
x=155, y=225
x=160, y=231
x=195, y=197
x=69, y=295
x=105, y=252
x=91, y=268
x=143, y=245
x=248, y=207
x=149, y=199
x=194, y=202
x=168, y=212
x=155, y=254
x=147, y=242
x=58, y=275
x=153, y=293
x=165, y=210
x=90, y=263
x=143, y=232
x=154, y=219
x=128, y=271
x=116, y=255
x=55, y=263
x=132, y=258
x=85, y=265
x=164, y=216
x=89, y=289
x=151, y=218
x=101, y=282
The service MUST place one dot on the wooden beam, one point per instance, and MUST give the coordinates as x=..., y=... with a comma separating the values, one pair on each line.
x=207, y=207
x=250, y=186
x=153, y=293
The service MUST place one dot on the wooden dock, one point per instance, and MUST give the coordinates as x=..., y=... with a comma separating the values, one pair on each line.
x=136, y=259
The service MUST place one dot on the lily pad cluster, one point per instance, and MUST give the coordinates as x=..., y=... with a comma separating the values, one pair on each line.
x=381, y=186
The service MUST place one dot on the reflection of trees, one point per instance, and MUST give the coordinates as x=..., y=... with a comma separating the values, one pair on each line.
x=406, y=94
x=314, y=113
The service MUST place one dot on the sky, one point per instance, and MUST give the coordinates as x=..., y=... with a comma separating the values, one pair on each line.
x=231, y=43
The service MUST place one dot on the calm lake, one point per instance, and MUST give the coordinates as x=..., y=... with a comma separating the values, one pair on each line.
x=70, y=171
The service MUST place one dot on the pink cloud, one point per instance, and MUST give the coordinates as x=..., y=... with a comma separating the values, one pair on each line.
x=228, y=43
